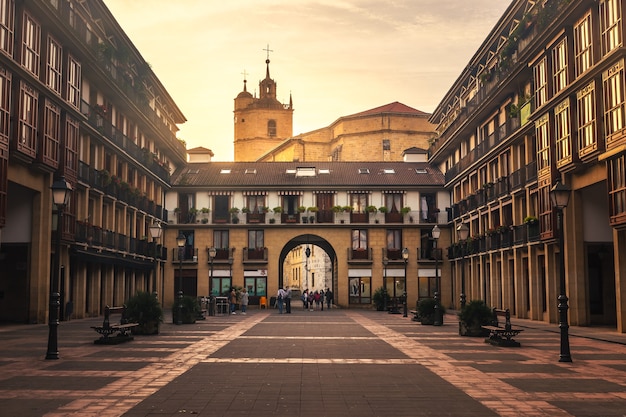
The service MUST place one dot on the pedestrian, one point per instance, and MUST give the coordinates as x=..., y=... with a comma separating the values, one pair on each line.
x=317, y=299
x=280, y=296
x=305, y=299
x=329, y=297
x=244, y=301
x=288, y=300
x=322, y=299
x=311, y=300
x=233, y=300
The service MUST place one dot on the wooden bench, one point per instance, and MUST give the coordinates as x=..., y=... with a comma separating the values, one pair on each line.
x=502, y=335
x=123, y=328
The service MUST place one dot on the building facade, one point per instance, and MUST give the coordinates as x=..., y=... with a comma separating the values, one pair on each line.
x=260, y=217
x=77, y=101
x=540, y=103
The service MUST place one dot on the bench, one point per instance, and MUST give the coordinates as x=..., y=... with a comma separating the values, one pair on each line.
x=502, y=335
x=123, y=328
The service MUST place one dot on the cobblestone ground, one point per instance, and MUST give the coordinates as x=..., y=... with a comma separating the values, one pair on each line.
x=322, y=363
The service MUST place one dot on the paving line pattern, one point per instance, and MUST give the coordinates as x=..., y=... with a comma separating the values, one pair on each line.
x=122, y=395
x=509, y=401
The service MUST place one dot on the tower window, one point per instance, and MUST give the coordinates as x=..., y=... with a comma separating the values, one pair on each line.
x=271, y=128
x=386, y=145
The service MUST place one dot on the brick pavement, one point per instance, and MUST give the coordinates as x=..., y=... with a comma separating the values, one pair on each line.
x=330, y=363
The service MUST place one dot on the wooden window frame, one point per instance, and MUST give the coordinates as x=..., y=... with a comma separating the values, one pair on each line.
x=586, y=116
x=54, y=64
x=7, y=26
x=28, y=120
x=542, y=137
x=540, y=77
x=562, y=136
x=583, y=44
x=73, y=82
x=51, y=134
x=617, y=189
x=559, y=66
x=611, y=36
x=31, y=44
x=5, y=110
x=614, y=103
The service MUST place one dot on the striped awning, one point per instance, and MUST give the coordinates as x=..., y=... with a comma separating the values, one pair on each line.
x=394, y=191
x=220, y=193
x=290, y=192
x=359, y=192
x=325, y=192
x=255, y=193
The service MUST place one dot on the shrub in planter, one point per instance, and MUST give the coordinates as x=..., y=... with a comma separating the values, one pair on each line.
x=189, y=312
x=144, y=308
x=381, y=298
x=474, y=315
x=426, y=310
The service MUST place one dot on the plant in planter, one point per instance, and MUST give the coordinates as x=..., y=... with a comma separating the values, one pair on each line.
x=144, y=308
x=474, y=315
x=233, y=214
x=381, y=299
x=312, y=209
x=383, y=209
x=245, y=210
x=205, y=210
x=347, y=209
x=189, y=311
x=301, y=209
x=405, y=210
x=426, y=310
x=277, y=210
x=371, y=209
x=337, y=209
x=530, y=220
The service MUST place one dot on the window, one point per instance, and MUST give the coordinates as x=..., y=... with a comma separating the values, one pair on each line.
x=393, y=202
x=394, y=244
x=221, y=204
x=220, y=240
x=51, y=133
x=610, y=25
x=256, y=286
x=559, y=66
x=7, y=25
x=53, y=73
x=256, y=203
x=544, y=205
x=359, y=240
x=562, y=134
x=613, y=80
x=290, y=204
x=585, y=107
x=256, y=239
x=271, y=128
x=541, y=82
x=27, y=124
x=73, y=82
x=386, y=145
x=543, y=143
x=358, y=201
x=31, y=45
x=71, y=145
x=617, y=189
x=5, y=99
x=583, y=48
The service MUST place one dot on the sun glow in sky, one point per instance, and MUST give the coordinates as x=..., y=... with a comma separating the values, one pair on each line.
x=335, y=57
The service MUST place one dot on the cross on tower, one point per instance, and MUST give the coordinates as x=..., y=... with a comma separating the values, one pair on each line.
x=268, y=50
x=245, y=75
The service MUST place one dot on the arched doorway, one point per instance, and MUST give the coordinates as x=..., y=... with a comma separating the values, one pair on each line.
x=307, y=245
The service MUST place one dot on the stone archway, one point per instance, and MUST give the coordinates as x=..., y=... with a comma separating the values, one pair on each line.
x=309, y=239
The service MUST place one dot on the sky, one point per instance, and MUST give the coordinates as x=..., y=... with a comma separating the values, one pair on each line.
x=335, y=57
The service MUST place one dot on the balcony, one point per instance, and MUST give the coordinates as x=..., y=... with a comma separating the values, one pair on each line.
x=255, y=255
x=360, y=256
x=188, y=255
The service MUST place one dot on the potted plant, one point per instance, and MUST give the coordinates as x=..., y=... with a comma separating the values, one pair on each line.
x=530, y=220
x=383, y=209
x=301, y=209
x=245, y=210
x=474, y=315
x=347, y=209
x=426, y=310
x=144, y=308
x=189, y=311
x=277, y=209
x=337, y=209
x=381, y=299
x=405, y=210
x=312, y=209
x=205, y=210
x=371, y=209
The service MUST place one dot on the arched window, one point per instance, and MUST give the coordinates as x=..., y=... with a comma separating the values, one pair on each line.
x=271, y=128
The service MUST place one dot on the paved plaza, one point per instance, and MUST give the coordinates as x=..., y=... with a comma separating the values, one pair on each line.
x=321, y=363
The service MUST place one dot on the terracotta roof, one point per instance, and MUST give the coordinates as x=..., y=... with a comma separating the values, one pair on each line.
x=297, y=175
x=395, y=107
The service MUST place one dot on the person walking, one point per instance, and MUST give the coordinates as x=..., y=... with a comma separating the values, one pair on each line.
x=317, y=299
x=280, y=298
x=233, y=300
x=244, y=300
x=305, y=300
x=329, y=297
x=322, y=299
x=288, y=300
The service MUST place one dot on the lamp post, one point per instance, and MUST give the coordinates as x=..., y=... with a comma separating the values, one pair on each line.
x=155, y=232
x=405, y=256
x=436, y=232
x=180, y=242
x=212, y=253
x=385, y=262
x=307, y=252
x=61, y=191
x=559, y=195
x=462, y=233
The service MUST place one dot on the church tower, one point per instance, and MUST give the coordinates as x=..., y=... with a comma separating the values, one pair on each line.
x=261, y=123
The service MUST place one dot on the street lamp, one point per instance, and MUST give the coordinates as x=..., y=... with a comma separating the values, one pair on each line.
x=559, y=195
x=462, y=232
x=436, y=232
x=61, y=191
x=180, y=242
x=155, y=232
x=405, y=256
x=212, y=253
x=385, y=262
x=307, y=252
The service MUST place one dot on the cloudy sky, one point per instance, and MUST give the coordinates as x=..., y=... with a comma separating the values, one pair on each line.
x=336, y=57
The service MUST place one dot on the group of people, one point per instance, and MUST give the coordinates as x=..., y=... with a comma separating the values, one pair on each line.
x=311, y=300
x=314, y=300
